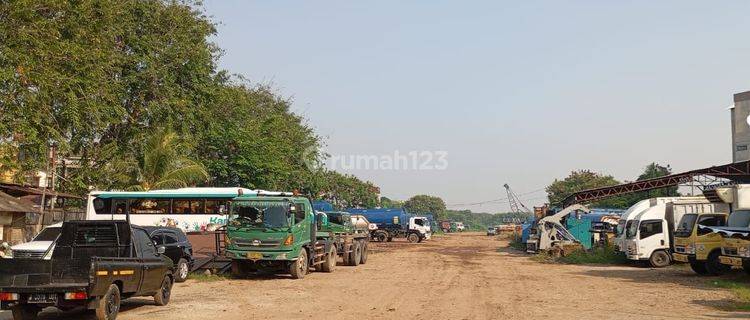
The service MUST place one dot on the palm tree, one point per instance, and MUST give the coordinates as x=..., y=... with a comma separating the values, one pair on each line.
x=164, y=166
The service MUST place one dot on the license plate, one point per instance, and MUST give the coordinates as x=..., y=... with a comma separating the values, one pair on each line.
x=254, y=255
x=732, y=261
x=680, y=257
x=42, y=298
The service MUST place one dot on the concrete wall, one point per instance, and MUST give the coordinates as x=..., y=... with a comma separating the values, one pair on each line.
x=741, y=127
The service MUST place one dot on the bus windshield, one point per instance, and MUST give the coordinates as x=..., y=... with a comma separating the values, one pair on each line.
x=262, y=214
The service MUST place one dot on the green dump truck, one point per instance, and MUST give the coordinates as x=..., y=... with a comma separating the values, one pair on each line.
x=282, y=233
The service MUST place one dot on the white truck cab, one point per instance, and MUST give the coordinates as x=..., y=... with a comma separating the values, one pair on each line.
x=40, y=247
x=630, y=214
x=649, y=234
x=421, y=225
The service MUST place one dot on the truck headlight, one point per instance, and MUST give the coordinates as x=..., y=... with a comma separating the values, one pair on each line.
x=690, y=249
x=743, y=252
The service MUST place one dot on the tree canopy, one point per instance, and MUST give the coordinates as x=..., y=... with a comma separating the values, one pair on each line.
x=421, y=204
x=585, y=179
x=100, y=79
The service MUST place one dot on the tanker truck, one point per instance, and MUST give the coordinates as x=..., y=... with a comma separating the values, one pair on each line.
x=395, y=223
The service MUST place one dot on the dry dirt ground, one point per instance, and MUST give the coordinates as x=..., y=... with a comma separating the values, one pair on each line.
x=457, y=276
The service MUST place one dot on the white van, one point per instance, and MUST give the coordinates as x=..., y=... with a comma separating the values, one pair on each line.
x=649, y=234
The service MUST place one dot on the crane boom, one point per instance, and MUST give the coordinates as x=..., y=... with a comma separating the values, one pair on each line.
x=515, y=203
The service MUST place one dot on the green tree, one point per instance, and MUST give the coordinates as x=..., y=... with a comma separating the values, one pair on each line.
x=421, y=204
x=583, y=180
x=389, y=203
x=165, y=166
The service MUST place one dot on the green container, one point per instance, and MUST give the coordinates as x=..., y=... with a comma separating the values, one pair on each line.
x=580, y=228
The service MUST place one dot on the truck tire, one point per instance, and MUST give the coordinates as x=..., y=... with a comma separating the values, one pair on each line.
x=382, y=237
x=182, y=270
x=699, y=267
x=330, y=264
x=714, y=267
x=357, y=253
x=659, y=259
x=161, y=298
x=365, y=249
x=298, y=268
x=413, y=238
x=109, y=304
x=25, y=313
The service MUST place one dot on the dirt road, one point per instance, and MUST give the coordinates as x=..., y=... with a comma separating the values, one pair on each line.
x=458, y=276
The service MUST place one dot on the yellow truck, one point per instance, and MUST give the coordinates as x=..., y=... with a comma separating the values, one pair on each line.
x=698, y=245
x=735, y=243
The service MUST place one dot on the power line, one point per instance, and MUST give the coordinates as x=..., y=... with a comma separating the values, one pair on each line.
x=498, y=200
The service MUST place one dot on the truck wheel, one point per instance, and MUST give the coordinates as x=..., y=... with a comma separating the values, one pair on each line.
x=413, y=238
x=699, y=267
x=298, y=268
x=365, y=248
x=356, y=253
x=165, y=292
x=24, y=313
x=382, y=237
x=330, y=264
x=659, y=259
x=183, y=269
x=714, y=267
x=109, y=304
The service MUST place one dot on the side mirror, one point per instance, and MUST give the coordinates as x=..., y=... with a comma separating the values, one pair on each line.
x=161, y=249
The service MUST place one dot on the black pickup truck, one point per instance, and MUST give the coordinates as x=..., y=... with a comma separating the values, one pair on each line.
x=95, y=264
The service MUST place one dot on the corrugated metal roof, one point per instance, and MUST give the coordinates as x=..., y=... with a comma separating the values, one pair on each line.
x=9, y=203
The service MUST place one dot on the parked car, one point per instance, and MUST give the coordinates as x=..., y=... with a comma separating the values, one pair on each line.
x=491, y=231
x=95, y=265
x=40, y=247
x=176, y=246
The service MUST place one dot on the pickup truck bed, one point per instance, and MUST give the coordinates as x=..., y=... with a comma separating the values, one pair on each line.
x=94, y=265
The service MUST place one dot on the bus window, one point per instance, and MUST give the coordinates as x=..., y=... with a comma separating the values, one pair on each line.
x=120, y=206
x=149, y=206
x=215, y=206
x=187, y=207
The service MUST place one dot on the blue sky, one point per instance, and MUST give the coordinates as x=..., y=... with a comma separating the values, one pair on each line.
x=521, y=92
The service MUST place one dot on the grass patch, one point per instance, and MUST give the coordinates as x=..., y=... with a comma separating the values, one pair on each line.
x=517, y=244
x=606, y=255
x=740, y=290
x=200, y=277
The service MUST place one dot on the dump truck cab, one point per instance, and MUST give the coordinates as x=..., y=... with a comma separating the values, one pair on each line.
x=268, y=231
x=282, y=232
x=697, y=245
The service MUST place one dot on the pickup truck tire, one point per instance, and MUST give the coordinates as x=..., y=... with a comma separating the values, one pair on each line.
x=298, y=268
x=659, y=259
x=109, y=304
x=365, y=248
x=413, y=238
x=161, y=298
x=25, y=313
x=330, y=264
x=182, y=271
x=699, y=267
x=714, y=267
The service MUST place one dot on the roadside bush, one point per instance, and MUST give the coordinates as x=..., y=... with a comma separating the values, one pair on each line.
x=606, y=255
